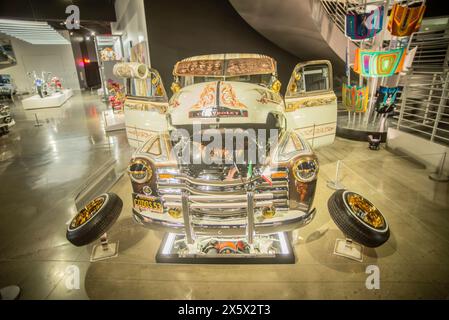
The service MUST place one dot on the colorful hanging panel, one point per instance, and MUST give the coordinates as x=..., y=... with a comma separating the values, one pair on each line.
x=355, y=98
x=408, y=61
x=385, y=99
x=360, y=26
x=404, y=20
x=378, y=63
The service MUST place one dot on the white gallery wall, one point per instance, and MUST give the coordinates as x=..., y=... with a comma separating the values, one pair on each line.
x=57, y=59
x=131, y=23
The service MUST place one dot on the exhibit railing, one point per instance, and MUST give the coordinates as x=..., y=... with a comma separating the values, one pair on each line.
x=424, y=105
x=432, y=49
x=336, y=11
x=111, y=164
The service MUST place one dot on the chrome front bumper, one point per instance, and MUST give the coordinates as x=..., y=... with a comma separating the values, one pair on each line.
x=249, y=225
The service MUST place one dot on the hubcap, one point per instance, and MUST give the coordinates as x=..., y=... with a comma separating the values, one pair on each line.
x=365, y=210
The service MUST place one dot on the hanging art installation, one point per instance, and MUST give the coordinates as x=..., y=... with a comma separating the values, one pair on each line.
x=378, y=63
x=355, y=98
x=408, y=61
x=404, y=20
x=385, y=99
x=361, y=26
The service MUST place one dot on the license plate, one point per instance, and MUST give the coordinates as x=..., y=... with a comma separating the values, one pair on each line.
x=145, y=203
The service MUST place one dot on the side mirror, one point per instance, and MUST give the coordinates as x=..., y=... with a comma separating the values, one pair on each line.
x=175, y=87
x=276, y=86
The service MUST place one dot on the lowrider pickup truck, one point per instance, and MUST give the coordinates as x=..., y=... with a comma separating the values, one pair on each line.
x=194, y=169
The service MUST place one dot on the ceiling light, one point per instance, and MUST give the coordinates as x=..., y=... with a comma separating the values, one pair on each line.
x=34, y=32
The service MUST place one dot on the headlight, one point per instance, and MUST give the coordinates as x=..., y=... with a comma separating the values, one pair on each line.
x=140, y=171
x=305, y=170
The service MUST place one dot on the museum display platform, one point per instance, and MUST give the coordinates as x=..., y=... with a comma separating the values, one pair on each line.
x=267, y=249
x=113, y=120
x=354, y=128
x=55, y=100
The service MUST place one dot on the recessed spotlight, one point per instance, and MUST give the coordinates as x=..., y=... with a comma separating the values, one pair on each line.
x=87, y=38
x=92, y=34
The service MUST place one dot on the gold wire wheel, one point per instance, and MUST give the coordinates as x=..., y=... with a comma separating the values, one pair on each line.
x=365, y=210
x=87, y=212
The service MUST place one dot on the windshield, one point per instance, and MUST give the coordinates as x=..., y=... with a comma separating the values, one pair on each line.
x=261, y=79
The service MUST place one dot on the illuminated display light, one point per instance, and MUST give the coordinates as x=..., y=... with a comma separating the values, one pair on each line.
x=361, y=26
x=355, y=98
x=378, y=63
x=168, y=245
x=404, y=20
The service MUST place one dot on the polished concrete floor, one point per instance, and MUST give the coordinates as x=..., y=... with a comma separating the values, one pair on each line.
x=42, y=167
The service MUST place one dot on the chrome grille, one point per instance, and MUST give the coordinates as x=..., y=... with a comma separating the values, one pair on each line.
x=211, y=195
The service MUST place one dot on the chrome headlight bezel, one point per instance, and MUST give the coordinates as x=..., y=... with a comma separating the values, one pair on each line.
x=140, y=171
x=305, y=169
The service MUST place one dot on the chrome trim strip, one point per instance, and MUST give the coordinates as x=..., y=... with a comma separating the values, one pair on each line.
x=216, y=198
x=250, y=217
x=171, y=190
x=220, y=183
x=186, y=217
x=276, y=184
x=219, y=205
x=226, y=230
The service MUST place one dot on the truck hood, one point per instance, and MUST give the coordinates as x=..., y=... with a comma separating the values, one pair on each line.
x=223, y=102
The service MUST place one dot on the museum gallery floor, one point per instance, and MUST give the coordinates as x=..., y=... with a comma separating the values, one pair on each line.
x=41, y=168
